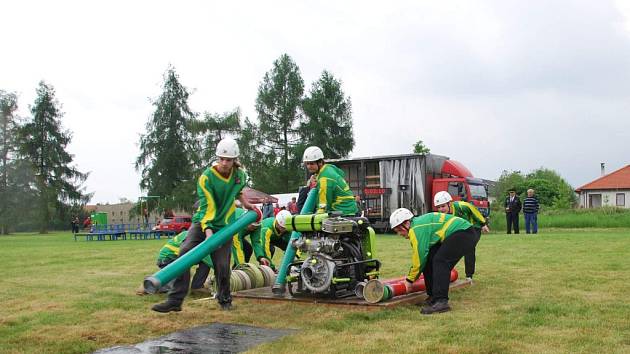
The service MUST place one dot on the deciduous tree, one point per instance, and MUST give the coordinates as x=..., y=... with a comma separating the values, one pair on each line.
x=420, y=148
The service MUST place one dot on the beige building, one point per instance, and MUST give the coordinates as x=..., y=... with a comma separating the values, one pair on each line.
x=611, y=189
x=120, y=213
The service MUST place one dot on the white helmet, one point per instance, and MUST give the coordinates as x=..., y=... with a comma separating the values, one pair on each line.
x=281, y=218
x=228, y=148
x=441, y=198
x=399, y=216
x=312, y=153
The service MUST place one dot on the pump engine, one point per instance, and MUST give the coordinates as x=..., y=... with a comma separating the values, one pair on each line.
x=338, y=252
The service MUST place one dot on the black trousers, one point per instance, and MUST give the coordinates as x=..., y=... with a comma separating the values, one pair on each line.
x=471, y=258
x=428, y=269
x=453, y=248
x=220, y=259
x=512, y=220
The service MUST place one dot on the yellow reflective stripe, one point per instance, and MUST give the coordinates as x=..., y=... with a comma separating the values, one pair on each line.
x=216, y=173
x=323, y=184
x=345, y=197
x=341, y=199
x=268, y=243
x=211, y=209
x=476, y=214
x=236, y=245
x=172, y=248
x=442, y=217
x=414, y=271
x=442, y=232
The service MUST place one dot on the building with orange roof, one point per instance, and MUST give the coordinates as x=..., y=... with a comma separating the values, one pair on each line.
x=611, y=189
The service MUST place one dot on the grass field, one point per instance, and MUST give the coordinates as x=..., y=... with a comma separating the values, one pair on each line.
x=562, y=291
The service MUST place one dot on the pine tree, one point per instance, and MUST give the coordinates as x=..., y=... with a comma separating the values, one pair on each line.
x=43, y=144
x=279, y=97
x=211, y=130
x=328, y=118
x=167, y=150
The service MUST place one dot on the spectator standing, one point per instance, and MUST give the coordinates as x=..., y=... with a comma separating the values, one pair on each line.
x=276, y=209
x=75, y=225
x=292, y=206
x=512, y=208
x=530, y=211
x=267, y=209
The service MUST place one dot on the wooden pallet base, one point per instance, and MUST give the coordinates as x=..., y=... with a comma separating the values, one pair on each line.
x=265, y=294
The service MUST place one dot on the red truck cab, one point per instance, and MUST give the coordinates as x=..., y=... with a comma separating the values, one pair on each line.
x=459, y=182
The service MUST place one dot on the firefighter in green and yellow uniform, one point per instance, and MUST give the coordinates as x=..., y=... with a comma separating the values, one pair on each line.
x=217, y=188
x=445, y=204
x=334, y=192
x=241, y=248
x=271, y=234
x=438, y=242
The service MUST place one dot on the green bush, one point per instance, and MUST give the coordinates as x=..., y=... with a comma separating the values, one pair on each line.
x=551, y=189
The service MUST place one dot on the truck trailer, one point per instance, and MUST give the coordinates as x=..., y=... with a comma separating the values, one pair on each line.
x=386, y=183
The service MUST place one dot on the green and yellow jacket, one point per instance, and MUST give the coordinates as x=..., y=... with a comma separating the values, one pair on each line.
x=238, y=253
x=427, y=230
x=263, y=237
x=216, y=197
x=469, y=213
x=170, y=251
x=334, y=192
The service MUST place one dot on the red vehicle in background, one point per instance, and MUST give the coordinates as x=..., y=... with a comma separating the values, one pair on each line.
x=176, y=223
x=386, y=183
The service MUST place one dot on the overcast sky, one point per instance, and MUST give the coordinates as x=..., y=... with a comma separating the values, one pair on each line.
x=496, y=85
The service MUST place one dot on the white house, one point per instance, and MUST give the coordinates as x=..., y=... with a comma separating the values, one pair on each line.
x=612, y=189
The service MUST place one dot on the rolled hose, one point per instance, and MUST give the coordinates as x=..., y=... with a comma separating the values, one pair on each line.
x=381, y=290
x=194, y=256
x=279, y=288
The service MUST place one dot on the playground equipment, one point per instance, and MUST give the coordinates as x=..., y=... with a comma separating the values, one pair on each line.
x=194, y=256
x=98, y=218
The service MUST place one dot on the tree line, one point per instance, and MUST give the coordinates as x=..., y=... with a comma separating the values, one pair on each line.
x=41, y=188
x=179, y=144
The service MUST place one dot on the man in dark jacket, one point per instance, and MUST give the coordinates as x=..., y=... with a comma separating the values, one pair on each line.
x=512, y=208
x=530, y=211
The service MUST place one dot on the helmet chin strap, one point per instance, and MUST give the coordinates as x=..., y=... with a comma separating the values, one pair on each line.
x=405, y=227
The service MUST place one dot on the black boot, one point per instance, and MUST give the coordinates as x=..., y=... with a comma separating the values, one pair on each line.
x=167, y=306
x=227, y=306
x=436, y=307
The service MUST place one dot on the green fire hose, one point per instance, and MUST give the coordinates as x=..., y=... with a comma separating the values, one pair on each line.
x=279, y=288
x=194, y=256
